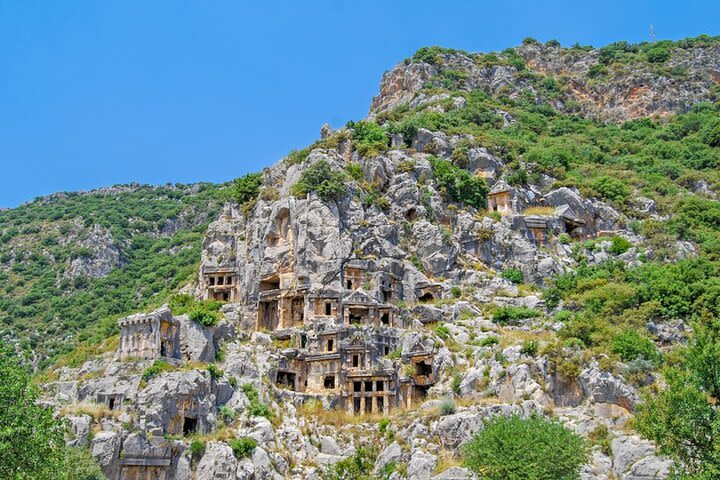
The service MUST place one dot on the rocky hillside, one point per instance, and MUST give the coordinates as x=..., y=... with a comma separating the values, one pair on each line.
x=71, y=263
x=618, y=82
x=526, y=240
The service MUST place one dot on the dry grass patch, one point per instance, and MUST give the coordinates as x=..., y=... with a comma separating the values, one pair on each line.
x=95, y=410
x=510, y=337
x=539, y=211
x=445, y=460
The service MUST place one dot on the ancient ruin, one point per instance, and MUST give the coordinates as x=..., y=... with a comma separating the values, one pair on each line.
x=149, y=336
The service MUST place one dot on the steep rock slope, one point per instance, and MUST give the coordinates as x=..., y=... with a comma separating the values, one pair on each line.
x=469, y=251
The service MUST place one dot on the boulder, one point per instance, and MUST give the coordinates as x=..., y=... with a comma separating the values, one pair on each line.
x=217, y=462
x=421, y=465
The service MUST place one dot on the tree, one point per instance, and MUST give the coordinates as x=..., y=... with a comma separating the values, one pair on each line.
x=684, y=417
x=514, y=448
x=322, y=179
x=244, y=189
x=458, y=184
x=31, y=440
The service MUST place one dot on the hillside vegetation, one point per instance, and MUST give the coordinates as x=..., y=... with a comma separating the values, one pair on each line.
x=149, y=239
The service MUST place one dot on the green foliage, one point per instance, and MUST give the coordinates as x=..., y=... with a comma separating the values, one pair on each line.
x=323, y=180
x=431, y=55
x=458, y=184
x=215, y=371
x=456, y=292
x=455, y=384
x=395, y=354
x=515, y=275
x=383, y=424
x=296, y=157
x=369, y=138
x=600, y=436
x=513, y=448
x=204, y=312
x=257, y=408
x=511, y=315
x=158, y=367
x=530, y=348
x=357, y=467
x=31, y=440
x=447, y=407
x=518, y=177
x=658, y=53
x=48, y=314
x=619, y=245
x=682, y=418
x=630, y=345
x=197, y=449
x=355, y=171
x=442, y=331
x=489, y=341
x=243, y=190
x=242, y=447
x=612, y=189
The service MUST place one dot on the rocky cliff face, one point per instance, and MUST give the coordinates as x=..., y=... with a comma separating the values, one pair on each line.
x=392, y=300
x=621, y=92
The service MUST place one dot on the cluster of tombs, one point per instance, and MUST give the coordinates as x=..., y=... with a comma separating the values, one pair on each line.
x=537, y=228
x=339, y=340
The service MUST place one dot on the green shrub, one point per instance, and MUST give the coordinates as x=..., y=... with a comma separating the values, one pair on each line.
x=458, y=184
x=158, y=367
x=296, y=157
x=244, y=189
x=513, y=448
x=455, y=384
x=530, y=348
x=215, y=371
x=564, y=238
x=242, y=447
x=611, y=189
x=658, y=53
x=227, y=414
x=357, y=467
x=383, y=424
x=489, y=341
x=257, y=408
x=510, y=315
x=197, y=449
x=518, y=177
x=204, y=312
x=204, y=317
x=514, y=275
x=456, y=292
x=323, y=180
x=355, y=171
x=442, y=331
x=619, y=245
x=369, y=138
x=630, y=345
x=600, y=436
x=447, y=407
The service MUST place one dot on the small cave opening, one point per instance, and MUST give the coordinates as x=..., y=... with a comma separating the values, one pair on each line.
x=189, y=425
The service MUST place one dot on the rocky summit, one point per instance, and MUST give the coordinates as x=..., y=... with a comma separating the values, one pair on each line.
x=528, y=235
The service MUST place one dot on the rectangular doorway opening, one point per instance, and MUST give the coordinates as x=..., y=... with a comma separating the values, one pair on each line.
x=189, y=426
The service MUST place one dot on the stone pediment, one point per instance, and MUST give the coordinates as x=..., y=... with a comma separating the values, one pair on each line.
x=359, y=297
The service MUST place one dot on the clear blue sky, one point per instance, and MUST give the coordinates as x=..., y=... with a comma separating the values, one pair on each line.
x=96, y=93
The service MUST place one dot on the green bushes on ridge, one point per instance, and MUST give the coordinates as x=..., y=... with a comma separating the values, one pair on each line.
x=323, y=180
x=513, y=448
x=458, y=184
